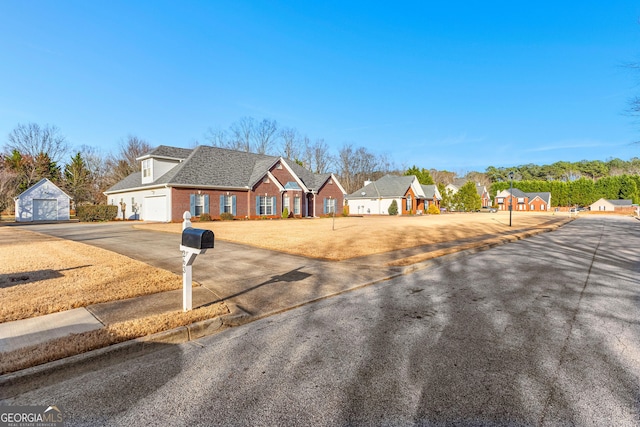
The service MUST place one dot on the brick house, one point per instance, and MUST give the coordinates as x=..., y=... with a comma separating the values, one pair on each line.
x=521, y=201
x=376, y=197
x=215, y=180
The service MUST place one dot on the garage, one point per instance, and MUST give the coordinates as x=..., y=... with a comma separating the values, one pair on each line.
x=45, y=209
x=44, y=201
x=155, y=209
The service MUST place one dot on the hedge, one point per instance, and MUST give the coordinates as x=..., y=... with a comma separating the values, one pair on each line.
x=92, y=213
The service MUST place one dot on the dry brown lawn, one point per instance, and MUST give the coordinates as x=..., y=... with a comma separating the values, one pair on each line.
x=360, y=236
x=41, y=274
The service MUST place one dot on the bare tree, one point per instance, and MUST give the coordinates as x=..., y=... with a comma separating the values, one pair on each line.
x=9, y=181
x=124, y=163
x=242, y=133
x=291, y=143
x=32, y=139
x=318, y=156
x=217, y=137
x=264, y=135
x=98, y=172
x=442, y=177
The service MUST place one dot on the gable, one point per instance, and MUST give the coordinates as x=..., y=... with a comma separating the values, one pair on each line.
x=43, y=189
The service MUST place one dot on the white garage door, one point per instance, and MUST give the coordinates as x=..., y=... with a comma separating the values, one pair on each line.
x=45, y=209
x=155, y=209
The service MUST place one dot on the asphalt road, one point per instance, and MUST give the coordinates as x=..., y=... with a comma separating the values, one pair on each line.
x=543, y=331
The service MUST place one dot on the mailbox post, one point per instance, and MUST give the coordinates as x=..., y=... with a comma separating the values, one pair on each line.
x=194, y=242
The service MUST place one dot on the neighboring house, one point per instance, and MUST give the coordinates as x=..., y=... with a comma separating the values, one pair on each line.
x=480, y=189
x=43, y=201
x=376, y=197
x=432, y=196
x=611, y=205
x=521, y=201
x=215, y=180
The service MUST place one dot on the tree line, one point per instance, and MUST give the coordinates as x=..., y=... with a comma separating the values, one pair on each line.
x=582, y=191
x=566, y=171
x=33, y=152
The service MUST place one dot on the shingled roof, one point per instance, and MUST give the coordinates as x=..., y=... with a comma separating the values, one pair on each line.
x=206, y=166
x=387, y=186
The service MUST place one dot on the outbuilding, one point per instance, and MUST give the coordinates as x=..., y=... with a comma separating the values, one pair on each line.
x=609, y=205
x=43, y=201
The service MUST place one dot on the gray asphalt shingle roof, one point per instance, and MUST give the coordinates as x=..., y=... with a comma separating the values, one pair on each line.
x=387, y=186
x=215, y=167
x=429, y=191
x=620, y=202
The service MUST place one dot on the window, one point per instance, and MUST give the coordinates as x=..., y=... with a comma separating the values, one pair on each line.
x=228, y=204
x=146, y=168
x=265, y=205
x=296, y=205
x=520, y=199
x=408, y=206
x=500, y=200
x=329, y=206
x=285, y=204
x=199, y=206
x=541, y=207
x=531, y=208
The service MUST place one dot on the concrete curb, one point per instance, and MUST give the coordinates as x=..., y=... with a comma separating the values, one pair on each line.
x=18, y=382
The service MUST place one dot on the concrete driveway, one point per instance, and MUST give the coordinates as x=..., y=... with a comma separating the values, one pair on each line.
x=542, y=331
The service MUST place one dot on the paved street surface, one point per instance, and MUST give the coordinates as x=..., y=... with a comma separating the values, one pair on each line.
x=544, y=331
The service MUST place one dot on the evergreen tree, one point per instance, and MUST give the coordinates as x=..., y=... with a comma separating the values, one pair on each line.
x=393, y=208
x=423, y=175
x=77, y=179
x=467, y=198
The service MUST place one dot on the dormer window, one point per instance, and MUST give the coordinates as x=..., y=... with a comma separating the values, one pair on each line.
x=146, y=168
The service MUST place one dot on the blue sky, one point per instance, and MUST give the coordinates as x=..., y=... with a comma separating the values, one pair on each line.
x=447, y=85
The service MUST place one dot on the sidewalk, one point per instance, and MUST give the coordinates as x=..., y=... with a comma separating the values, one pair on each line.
x=250, y=293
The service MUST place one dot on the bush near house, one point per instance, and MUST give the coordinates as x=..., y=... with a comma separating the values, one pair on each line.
x=226, y=216
x=393, y=208
x=205, y=217
x=95, y=213
x=285, y=213
x=433, y=210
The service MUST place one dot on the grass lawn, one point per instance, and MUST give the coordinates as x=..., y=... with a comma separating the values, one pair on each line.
x=360, y=236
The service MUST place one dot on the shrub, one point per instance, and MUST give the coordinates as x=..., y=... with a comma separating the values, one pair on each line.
x=92, y=213
x=226, y=216
x=345, y=211
x=393, y=208
x=205, y=217
x=285, y=213
x=433, y=210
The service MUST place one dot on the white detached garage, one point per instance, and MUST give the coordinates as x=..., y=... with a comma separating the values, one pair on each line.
x=43, y=202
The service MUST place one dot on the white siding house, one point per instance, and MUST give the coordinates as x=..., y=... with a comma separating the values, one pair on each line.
x=44, y=201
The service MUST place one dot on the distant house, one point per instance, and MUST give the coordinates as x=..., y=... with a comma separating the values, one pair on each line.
x=215, y=180
x=43, y=201
x=608, y=205
x=480, y=189
x=376, y=197
x=521, y=201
